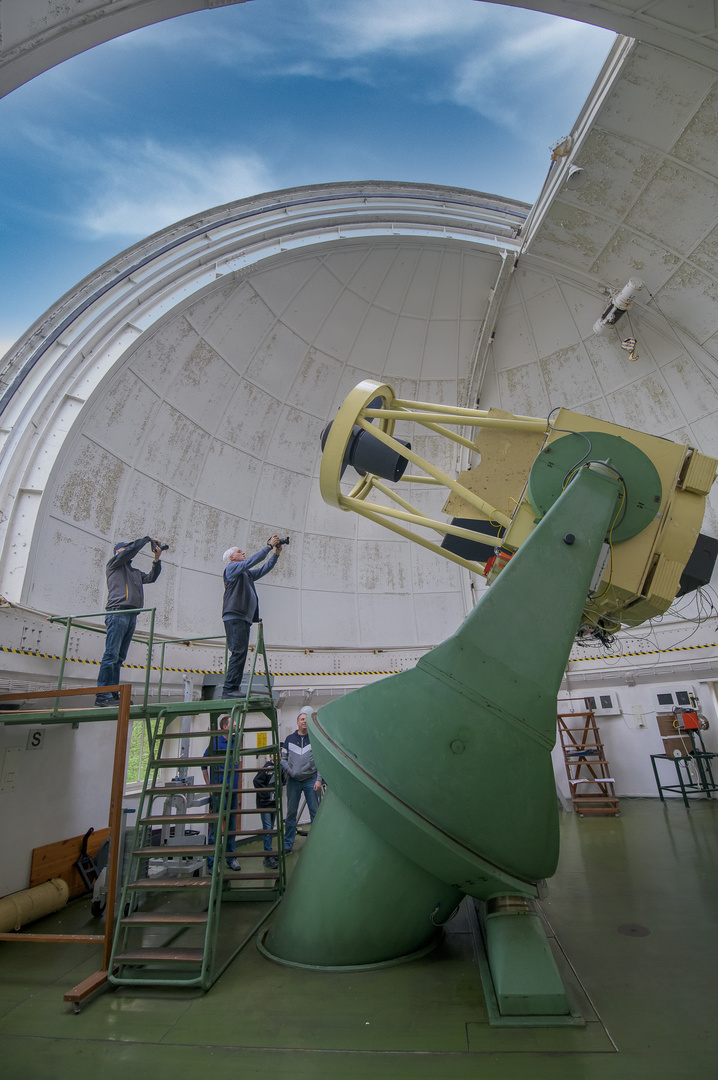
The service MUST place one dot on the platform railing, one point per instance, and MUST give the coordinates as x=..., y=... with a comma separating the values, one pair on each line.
x=75, y=621
x=71, y=621
x=187, y=641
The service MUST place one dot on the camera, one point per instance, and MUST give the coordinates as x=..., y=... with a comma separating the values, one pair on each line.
x=283, y=540
x=164, y=547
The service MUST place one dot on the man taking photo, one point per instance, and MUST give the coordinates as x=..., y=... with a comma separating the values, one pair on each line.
x=124, y=592
x=240, y=606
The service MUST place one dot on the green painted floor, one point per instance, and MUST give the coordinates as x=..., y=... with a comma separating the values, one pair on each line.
x=650, y=998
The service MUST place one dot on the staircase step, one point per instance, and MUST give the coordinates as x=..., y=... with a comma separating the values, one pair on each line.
x=166, y=851
x=242, y=855
x=178, y=819
x=180, y=789
x=238, y=875
x=154, y=918
x=179, y=762
x=161, y=884
x=142, y=956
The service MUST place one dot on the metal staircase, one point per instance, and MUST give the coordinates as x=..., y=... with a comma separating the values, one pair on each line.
x=171, y=904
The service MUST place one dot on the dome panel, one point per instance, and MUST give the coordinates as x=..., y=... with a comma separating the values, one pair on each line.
x=250, y=418
x=174, y=450
x=569, y=376
x=209, y=532
x=125, y=415
x=277, y=359
x=315, y=384
x=229, y=478
x=200, y=386
x=246, y=309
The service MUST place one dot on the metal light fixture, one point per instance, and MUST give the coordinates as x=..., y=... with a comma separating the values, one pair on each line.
x=620, y=303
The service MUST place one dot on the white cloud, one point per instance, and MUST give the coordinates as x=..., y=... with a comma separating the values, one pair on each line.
x=141, y=188
x=516, y=67
x=522, y=80
x=381, y=25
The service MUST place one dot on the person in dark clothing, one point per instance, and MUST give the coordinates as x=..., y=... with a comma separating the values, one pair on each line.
x=124, y=592
x=217, y=747
x=240, y=606
x=302, y=777
x=267, y=804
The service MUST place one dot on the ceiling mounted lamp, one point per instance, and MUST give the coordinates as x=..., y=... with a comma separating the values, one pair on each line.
x=576, y=178
x=620, y=303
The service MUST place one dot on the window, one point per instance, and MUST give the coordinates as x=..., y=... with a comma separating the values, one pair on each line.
x=138, y=756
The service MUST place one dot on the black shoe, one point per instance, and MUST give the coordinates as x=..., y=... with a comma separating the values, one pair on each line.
x=233, y=864
x=232, y=693
x=271, y=863
x=104, y=701
x=287, y=851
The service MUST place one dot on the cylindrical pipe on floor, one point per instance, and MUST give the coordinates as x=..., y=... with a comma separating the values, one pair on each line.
x=23, y=907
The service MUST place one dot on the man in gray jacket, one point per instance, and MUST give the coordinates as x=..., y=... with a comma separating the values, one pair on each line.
x=124, y=592
x=302, y=776
x=240, y=605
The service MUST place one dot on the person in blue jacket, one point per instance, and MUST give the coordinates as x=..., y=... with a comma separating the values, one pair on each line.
x=124, y=592
x=240, y=605
x=217, y=747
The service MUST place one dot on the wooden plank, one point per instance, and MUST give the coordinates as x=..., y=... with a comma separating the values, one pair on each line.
x=58, y=861
x=86, y=987
x=73, y=939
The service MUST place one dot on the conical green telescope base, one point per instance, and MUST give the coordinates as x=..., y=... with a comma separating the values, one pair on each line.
x=394, y=906
x=440, y=778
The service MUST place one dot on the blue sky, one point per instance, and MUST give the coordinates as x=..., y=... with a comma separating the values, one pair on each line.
x=222, y=104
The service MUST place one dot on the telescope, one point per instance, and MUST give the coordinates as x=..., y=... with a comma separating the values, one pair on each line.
x=440, y=780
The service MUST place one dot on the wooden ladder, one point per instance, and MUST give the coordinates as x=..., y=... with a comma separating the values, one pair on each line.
x=171, y=903
x=589, y=778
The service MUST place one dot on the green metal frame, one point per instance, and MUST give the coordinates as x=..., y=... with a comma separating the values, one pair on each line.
x=158, y=716
x=239, y=709
x=73, y=620
x=705, y=786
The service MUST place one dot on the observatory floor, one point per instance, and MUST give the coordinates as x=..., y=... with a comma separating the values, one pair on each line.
x=633, y=906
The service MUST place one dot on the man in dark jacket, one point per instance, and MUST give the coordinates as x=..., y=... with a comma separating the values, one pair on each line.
x=266, y=803
x=124, y=592
x=240, y=607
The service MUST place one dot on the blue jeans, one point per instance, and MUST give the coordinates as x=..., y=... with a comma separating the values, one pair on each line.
x=237, y=632
x=294, y=791
x=268, y=819
x=120, y=628
x=212, y=832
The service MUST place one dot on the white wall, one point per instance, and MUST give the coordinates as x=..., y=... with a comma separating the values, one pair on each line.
x=61, y=790
x=630, y=737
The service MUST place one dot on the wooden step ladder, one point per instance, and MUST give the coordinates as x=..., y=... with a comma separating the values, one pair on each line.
x=589, y=778
x=171, y=903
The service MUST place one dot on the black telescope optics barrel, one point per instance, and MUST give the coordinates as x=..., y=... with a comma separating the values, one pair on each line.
x=367, y=454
